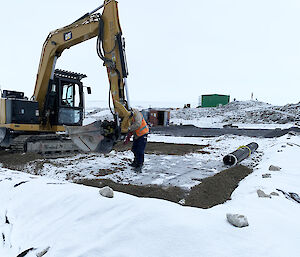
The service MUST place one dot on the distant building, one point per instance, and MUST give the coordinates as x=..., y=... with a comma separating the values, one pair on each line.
x=213, y=100
x=156, y=117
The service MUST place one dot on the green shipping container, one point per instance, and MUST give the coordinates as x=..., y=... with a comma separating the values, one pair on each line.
x=214, y=100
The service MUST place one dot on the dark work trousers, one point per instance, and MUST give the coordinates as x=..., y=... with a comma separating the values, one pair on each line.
x=138, y=149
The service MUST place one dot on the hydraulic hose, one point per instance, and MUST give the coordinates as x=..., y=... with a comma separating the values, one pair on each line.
x=106, y=61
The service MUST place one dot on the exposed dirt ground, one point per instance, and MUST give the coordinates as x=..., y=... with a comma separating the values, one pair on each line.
x=17, y=161
x=165, y=148
x=210, y=192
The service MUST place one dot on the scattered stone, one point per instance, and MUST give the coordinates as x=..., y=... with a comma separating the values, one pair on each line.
x=267, y=175
x=182, y=202
x=262, y=194
x=274, y=117
x=283, y=121
x=274, y=168
x=237, y=220
x=42, y=253
x=274, y=194
x=106, y=192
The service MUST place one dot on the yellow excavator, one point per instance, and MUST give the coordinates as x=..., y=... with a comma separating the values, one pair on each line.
x=57, y=105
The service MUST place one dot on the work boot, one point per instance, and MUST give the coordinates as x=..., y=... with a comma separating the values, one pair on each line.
x=133, y=164
x=138, y=168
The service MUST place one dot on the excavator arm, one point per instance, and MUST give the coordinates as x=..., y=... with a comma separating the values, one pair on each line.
x=99, y=136
x=110, y=48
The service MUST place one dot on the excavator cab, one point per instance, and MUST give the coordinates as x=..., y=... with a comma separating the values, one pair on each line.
x=64, y=103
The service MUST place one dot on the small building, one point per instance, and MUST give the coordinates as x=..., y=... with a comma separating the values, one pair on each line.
x=157, y=117
x=213, y=100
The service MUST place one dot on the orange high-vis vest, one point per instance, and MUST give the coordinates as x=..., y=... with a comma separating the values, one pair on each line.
x=143, y=129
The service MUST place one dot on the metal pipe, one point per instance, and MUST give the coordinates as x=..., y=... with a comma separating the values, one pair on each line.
x=98, y=8
x=240, y=154
x=90, y=13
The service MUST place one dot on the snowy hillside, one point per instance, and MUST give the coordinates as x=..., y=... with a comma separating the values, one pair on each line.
x=241, y=113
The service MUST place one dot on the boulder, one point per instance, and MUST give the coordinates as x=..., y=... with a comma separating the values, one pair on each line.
x=274, y=194
x=106, y=192
x=237, y=220
x=43, y=252
x=274, y=117
x=274, y=168
x=182, y=202
x=283, y=121
x=267, y=175
x=262, y=194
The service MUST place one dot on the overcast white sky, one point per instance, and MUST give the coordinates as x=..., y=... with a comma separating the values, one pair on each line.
x=176, y=50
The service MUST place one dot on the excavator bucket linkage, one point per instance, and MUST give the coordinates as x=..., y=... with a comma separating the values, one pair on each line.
x=99, y=136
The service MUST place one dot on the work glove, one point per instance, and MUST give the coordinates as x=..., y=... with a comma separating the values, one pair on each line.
x=127, y=138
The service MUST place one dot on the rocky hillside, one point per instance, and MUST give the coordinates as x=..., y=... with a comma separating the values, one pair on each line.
x=243, y=112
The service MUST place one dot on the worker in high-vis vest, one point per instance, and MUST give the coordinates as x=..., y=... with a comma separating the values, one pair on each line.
x=140, y=130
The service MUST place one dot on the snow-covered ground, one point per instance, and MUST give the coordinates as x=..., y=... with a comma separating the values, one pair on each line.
x=165, y=170
x=74, y=220
x=59, y=218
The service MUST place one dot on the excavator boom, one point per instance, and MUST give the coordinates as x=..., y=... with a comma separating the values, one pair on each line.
x=101, y=136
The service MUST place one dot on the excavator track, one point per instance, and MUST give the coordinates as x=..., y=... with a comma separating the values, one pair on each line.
x=49, y=145
x=17, y=144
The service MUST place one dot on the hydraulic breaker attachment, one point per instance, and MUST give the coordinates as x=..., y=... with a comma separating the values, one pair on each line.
x=99, y=136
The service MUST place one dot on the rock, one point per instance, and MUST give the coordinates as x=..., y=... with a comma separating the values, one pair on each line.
x=283, y=121
x=182, y=202
x=267, y=175
x=43, y=252
x=274, y=117
x=274, y=168
x=274, y=194
x=106, y=192
x=237, y=220
x=261, y=193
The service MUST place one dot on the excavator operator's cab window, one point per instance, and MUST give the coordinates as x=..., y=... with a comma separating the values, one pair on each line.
x=70, y=95
x=70, y=111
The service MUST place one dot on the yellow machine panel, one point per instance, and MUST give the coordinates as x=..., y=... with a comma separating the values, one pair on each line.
x=2, y=111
